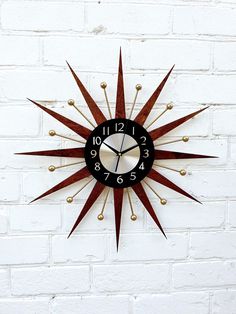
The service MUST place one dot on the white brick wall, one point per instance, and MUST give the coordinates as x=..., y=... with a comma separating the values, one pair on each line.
x=194, y=270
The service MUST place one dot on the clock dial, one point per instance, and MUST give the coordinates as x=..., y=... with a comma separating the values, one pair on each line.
x=119, y=153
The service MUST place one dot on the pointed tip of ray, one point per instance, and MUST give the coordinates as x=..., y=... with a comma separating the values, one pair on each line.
x=33, y=201
x=69, y=234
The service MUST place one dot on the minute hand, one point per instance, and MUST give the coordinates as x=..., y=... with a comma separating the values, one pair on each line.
x=128, y=149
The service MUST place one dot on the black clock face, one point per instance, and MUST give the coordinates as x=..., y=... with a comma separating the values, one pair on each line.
x=119, y=153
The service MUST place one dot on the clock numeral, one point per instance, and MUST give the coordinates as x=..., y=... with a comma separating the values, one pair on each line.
x=97, y=140
x=93, y=153
x=119, y=180
x=141, y=167
x=119, y=127
x=106, y=175
x=106, y=130
x=97, y=166
x=143, y=139
x=133, y=130
x=133, y=175
x=146, y=153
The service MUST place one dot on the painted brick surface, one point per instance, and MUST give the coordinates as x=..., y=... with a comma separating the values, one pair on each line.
x=193, y=271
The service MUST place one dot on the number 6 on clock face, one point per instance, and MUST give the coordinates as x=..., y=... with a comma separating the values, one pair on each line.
x=119, y=153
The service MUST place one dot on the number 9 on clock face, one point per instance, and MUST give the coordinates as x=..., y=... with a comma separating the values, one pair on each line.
x=119, y=153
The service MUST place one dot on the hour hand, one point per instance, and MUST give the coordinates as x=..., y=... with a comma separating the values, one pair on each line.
x=112, y=148
x=128, y=149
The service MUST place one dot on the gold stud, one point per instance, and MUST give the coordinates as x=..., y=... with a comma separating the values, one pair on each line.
x=51, y=168
x=169, y=106
x=69, y=199
x=185, y=139
x=133, y=217
x=183, y=172
x=163, y=201
x=138, y=87
x=71, y=102
x=103, y=85
x=100, y=217
x=52, y=132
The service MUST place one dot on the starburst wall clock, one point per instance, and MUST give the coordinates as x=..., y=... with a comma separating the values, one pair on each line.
x=119, y=153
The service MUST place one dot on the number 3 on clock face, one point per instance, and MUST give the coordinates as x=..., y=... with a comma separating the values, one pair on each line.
x=119, y=153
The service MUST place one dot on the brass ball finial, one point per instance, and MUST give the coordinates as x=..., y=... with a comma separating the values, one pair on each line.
x=183, y=172
x=138, y=87
x=100, y=217
x=103, y=85
x=133, y=217
x=52, y=132
x=185, y=139
x=163, y=201
x=169, y=106
x=51, y=168
x=71, y=102
x=69, y=199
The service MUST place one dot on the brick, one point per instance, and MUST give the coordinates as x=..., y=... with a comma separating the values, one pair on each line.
x=85, y=305
x=96, y=55
x=203, y=275
x=24, y=306
x=184, y=303
x=91, y=248
x=42, y=16
x=50, y=280
x=5, y=282
x=220, y=117
x=146, y=247
x=36, y=183
x=33, y=218
x=159, y=54
x=3, y=220
x=124, y=278
x=224, y=302
x=103, y=18
x=184, y=215
x=10, y=187
x=233, y=151
x=19, y=121
x=196, y=20
x=213, y=245
x=232, y=214
x=198, y=88
x=224, y=56
x=208, y=185
x=27, y=50
x=24, y=250
x=22, y=84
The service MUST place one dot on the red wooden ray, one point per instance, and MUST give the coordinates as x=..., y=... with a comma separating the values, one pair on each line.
x=118, y=200
x=96, y=112
x=143, y=114
x=166, y=154
x=66, y=152
x=140, y=192
x=79, y=175
x=154, y=175
x=158, y=132
x=74, y=126
x=120, y=96
x=95, y=193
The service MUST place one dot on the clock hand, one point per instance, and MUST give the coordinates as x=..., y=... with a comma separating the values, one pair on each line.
x=113, y=149
x=128, y=149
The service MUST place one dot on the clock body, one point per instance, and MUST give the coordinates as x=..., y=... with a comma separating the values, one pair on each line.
x=119, y=153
